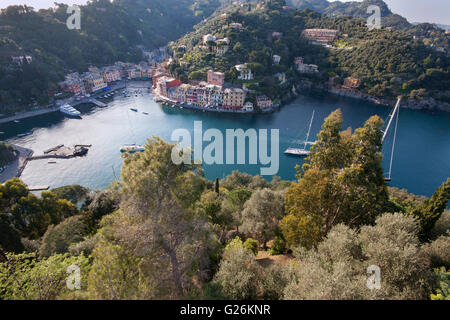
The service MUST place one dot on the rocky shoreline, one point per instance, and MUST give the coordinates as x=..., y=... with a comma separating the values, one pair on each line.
x=429, y=104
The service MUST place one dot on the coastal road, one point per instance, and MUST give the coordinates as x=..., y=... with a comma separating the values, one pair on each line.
x=15, y=168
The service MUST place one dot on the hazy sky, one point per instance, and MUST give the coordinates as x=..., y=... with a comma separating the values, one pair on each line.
x=437, y=11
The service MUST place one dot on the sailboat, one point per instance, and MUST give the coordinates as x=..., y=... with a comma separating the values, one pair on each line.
x=302, y=152
x=391, y=118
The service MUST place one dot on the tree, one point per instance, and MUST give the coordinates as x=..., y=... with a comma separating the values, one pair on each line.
x=24, y=277
x=57, y=239
x=9, y=236
x=261, y=214
x=430, y=212
x=234, y=203
x=74, y=193
x=216, y=186
x=337, y=268
x=155, y=223
x=341, y=182
x=239, y=273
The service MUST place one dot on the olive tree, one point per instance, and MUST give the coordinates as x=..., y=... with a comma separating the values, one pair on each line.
x=262, y=213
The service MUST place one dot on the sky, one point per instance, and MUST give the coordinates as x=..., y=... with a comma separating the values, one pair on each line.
x=435, y=11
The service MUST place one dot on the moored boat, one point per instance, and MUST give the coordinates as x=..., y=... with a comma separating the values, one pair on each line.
x=67, y=109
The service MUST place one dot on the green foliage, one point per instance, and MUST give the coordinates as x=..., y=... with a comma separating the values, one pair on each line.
x=31, y=215
x=251, y=245
x=239, y=273
x=155, y=230
x=442, y=284
x=279, y=245
x=7, y=154
x=261, y=214
x=337, y=269
x=430, y=212
x=73, y=193
x=9, y=236
x=25, y=277
x=342, y=181
x=57, y=239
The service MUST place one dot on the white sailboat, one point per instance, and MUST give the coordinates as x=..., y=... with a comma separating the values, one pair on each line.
x=395, y=112
x=302, y=152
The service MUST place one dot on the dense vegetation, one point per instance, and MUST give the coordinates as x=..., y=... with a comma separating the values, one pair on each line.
x=388, y=62
x=7, y=153
x=110, y=32
x=166, y=232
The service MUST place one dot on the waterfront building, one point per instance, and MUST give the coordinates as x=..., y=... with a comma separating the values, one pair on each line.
x=214, y=95
x=134, y=73
x=202, y=96
x=320, y=35
x=191, y=95
x=166, y=83
x=72, y=85
x=233, y=98
x=245, y=73
x=248, y=106
x=110, y=74
x=94, y=82
x=215, y=78
x=180, y=93
x=263, y=102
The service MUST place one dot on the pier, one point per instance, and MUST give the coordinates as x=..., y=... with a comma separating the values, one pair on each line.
x=97, y=103
x=38, y=188
x=62, y=152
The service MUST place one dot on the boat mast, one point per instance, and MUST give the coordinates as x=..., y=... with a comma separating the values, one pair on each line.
x=393, y=146
x=391, y=117
x=309, y=130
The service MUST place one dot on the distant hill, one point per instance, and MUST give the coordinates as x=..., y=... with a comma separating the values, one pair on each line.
x=388, y=62
x=110, y=31
x=352, y=9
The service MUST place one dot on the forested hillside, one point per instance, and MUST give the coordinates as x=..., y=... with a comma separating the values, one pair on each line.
x=388, y=62
x=353, y=9
x=110, y=31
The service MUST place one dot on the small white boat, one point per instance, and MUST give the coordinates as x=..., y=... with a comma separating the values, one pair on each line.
x=29, y=133
x=132, y=148
x=67, y=109
x=16, y=121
